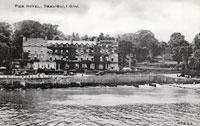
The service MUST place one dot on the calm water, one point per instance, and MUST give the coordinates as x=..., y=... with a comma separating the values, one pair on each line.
x=164, y=106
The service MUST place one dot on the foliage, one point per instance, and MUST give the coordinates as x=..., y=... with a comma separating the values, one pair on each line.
x=34, y=29
x=145, y=45
x=125, y=51
x=4, y=54
x=181, y=48
x=196, y=41
x=5, y=32
x=195, y=60
x=147, y=39
x=5, y=42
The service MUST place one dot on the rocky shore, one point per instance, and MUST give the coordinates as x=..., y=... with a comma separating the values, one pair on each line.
x=44, y=82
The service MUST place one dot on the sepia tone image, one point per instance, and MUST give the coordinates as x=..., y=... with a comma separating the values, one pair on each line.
x=100, y=63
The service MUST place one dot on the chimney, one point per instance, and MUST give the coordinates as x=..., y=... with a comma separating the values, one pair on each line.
x=71, y=40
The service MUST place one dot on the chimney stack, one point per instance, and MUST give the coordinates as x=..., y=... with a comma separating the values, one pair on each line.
x=71, y=40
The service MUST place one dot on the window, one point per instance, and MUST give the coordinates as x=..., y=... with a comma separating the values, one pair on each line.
x=101, y=58
x=112, y=59
x=92, y=66
x=106, y=58
x=84, y=65
x=77, y=65
x=101, y=66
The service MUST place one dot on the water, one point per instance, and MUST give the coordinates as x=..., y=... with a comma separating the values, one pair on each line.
x=164, y=106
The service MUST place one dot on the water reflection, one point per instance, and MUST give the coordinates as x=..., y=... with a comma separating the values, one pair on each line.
x=101, y=106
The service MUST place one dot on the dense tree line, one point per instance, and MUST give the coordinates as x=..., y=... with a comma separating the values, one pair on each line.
x=135, y=47
x=141, y=46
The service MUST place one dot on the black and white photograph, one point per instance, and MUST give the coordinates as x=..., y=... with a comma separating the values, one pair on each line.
x=99, y=63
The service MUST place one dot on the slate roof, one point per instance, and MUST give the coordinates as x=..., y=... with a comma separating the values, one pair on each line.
x=69, y=42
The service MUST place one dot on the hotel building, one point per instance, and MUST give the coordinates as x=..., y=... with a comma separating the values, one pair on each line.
x=65, y=55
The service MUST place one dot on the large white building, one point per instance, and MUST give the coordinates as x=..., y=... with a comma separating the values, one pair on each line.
x=58, y=54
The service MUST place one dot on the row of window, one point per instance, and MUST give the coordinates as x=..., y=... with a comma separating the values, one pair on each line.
x=92, y=66
x=76, y=44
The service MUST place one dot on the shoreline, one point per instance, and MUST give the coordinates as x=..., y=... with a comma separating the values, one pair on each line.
x=110, y=80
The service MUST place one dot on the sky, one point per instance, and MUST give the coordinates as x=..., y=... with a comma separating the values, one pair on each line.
x=113, y=17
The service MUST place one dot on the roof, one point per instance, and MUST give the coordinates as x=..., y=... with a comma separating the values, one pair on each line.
x=35, y=42
x=69, y=42
x=108, y=42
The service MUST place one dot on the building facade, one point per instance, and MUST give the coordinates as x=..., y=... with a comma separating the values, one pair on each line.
x=65, y=55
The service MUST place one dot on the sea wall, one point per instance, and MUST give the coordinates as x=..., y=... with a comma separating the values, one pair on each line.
x=85, y=81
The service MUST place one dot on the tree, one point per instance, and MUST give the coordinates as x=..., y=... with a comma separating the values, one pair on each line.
x=146, y=38
x=4, y=54
x=185, y=52
x=5, y=32
x=52, y=32
x=73, y=35
x=125, y=53
x=34, y=29
x=195, y=60
x=196, y=41
x=163, y=49
x=181, y=48
x=145, y=45
x=5, y=43
x=140, y=53
x=29, y=29
x=77, y=38
x=101, y=36
x=85, y=38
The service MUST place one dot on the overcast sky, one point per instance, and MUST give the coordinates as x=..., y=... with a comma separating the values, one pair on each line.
x=162, y=17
